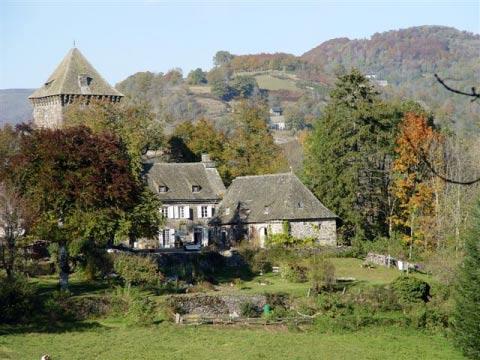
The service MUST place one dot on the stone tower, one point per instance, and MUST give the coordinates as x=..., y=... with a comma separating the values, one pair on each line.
x=73, y=80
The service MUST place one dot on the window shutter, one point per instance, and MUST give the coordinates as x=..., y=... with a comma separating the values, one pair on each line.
x=209, y=211
x=205, y=237
x=170, y=212
x=175, y=212
x=172, y=238
x=199, y=211
x=186, y=213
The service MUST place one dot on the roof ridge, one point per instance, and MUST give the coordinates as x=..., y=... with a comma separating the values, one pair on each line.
x=264, y=175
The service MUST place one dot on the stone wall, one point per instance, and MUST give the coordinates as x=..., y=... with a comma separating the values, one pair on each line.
x=325, y=231
x=213, y=305
x=48, y=112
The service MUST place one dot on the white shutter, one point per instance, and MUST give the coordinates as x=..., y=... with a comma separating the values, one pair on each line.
x=170, y=212
x=186, y=212
x=171, y=238
x=160, y=237
x=175, y=212
x=209, y=211
x=199, y=211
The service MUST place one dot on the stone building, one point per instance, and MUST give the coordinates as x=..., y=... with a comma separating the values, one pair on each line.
x=190, y=194
x=255, y=207
x=74, y=79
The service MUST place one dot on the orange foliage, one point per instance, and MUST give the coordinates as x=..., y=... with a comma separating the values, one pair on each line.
x=413, y=185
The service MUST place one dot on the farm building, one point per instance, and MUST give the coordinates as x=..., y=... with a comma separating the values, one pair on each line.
x=258, y=206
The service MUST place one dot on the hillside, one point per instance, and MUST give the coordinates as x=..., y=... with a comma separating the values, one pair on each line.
x=407, y=60
x=14, y=106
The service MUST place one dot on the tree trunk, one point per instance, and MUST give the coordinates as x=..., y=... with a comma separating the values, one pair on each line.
x=63, y=265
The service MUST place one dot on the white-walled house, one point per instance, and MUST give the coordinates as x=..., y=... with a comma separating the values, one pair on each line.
x=190, y=194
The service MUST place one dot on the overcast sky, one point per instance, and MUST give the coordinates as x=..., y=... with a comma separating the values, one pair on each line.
x=122, y=37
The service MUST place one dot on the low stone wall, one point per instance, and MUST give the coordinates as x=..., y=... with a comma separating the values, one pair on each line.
x=213, y=305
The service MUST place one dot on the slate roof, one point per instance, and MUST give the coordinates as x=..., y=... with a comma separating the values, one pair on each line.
x=65, y=79
x=179, y=179
x=264, y=198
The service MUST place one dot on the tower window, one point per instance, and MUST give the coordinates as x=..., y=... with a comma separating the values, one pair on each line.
x=84, y=80
x=162, y=189
x=196, y=188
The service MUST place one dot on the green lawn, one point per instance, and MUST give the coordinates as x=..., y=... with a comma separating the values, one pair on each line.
x=344, y=267
x=110, y=340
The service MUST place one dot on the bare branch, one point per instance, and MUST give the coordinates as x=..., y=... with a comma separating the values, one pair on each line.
x=473, y=92
x=425, y=160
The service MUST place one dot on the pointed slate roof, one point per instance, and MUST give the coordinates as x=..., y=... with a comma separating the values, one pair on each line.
x=179, y=179
x=65, y=80
x=264, y=198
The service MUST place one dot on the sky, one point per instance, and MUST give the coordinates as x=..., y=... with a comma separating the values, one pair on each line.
x=123, y=37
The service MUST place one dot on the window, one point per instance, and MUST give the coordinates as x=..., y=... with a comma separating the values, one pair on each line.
x=204, y=211
x=266, y=210
x=196, y=188
x=84, y=80
x=166, y=237
x=227, y=211
x=300, y=205
x=181, y=212
x=162, y=189
x=165, y=211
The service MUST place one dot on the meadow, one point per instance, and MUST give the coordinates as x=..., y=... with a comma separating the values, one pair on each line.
x=112, y=337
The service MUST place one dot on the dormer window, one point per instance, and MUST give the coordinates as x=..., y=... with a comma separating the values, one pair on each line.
x=196, y=188
x=162, y=188
x=227, y=211
x=266, y=210
x=84, y=80
x=300, y=205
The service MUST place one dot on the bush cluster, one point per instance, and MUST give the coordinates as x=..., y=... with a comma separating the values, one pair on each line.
x=411, y=290
x=16, y=299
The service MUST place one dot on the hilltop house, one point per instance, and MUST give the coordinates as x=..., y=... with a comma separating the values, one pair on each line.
x=190, y=194
x=258, y=206
x=73, y=80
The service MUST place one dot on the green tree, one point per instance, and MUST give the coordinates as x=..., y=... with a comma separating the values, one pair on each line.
x=244, y=86
x=197, y=77
x=251, y=149
x=467, y=296
x=348, y=155
x=222, y=57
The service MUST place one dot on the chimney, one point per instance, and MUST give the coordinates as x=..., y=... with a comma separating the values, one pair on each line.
x=207, y=162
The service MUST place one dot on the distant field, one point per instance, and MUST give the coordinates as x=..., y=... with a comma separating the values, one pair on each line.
x=200, y=89
x=270, y=82
x=114, y=341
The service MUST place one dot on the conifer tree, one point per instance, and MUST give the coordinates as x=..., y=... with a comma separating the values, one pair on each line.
x=467, y=296
x=348, y=155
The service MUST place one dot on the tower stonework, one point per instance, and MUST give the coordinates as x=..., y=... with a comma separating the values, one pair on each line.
x=73, y=80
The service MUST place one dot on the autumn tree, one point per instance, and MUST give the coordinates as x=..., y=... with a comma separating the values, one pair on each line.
x=413, y=185
x=134, y=125
x=82, y=185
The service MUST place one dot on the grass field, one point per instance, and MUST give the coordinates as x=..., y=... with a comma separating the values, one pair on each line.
x=110, y=340
x=269, y=82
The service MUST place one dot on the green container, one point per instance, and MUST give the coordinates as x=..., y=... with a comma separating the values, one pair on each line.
x=266, y=309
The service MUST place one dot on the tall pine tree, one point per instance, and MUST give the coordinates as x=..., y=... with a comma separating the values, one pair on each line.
x=467, y=296
x=349, y=153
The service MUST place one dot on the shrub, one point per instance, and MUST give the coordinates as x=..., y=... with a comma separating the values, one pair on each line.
x=321, y=274
x=137, y=270
x=260, y=262
x=137, y=308
x=294, y=272
x=410, y=289
x=16, y=299
x=248, y=309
